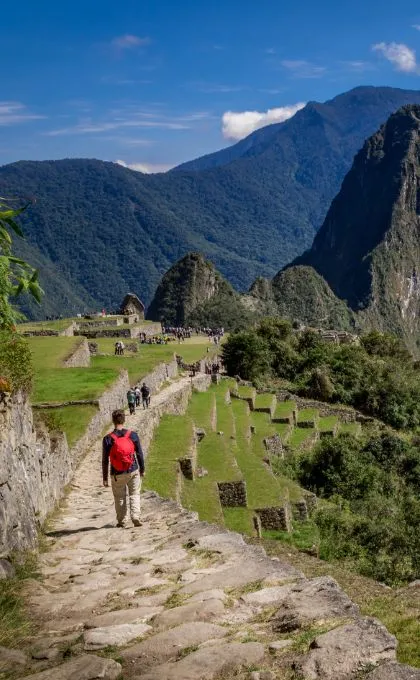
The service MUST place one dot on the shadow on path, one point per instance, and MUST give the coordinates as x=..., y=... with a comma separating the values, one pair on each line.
x=68, y=532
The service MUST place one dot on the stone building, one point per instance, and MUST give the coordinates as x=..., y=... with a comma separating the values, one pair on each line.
x=132, y=306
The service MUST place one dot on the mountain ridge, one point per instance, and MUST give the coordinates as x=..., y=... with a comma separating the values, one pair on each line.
x=107, y=229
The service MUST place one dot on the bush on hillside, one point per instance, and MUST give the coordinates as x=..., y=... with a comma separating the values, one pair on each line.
x=15, y=362
x=377, y=377
x=373, y=513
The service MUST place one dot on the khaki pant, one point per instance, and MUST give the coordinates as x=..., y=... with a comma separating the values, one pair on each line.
x=119, y=484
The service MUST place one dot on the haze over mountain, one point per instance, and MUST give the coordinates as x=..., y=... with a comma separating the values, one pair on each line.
x=368, y=249
x=99, y=229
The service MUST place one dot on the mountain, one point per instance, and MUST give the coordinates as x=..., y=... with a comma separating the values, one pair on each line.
x=368, y=249
x=99, y=229
x=193, y=292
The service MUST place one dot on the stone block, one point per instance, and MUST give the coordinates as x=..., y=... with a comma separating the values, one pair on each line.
x=300, y=510
x=275, y=518
x=232, y=494
x=274, y=445
x=187, y=467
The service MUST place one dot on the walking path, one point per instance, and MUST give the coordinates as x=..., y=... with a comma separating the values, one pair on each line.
x=177, y=599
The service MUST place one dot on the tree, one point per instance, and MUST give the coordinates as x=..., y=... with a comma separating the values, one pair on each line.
x=246, y=354
x=16, y=275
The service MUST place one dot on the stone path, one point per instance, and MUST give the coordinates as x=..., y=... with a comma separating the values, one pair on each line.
x=178, y=599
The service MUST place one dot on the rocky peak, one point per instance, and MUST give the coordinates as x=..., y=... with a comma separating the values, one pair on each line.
x=188, y=284
x=368, y=249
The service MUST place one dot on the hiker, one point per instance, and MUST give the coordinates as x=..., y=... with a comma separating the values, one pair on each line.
x=138, y=395
x=145, y=395
x=117, y=348
x=131, y=400
x=122, y=449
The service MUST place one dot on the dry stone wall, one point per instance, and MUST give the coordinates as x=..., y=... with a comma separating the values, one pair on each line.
x=80, y=357
x=34, y=468
x=232, y=494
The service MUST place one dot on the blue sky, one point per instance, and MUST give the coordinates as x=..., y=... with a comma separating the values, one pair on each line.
x=153, y=83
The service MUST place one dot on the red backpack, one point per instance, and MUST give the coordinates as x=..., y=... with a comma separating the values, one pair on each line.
x=121, y=454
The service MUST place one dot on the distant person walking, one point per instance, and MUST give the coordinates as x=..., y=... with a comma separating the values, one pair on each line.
x=137, y=390
x=121, y=449
x=145, y=395
x=131, y=400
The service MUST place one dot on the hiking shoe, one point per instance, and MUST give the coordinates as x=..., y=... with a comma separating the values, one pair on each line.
x=120, y=525
x=136, y=523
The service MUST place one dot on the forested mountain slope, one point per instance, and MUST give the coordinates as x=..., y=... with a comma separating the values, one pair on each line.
x=106, y=229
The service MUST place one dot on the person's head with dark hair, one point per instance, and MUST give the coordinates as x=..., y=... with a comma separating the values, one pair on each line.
x=118, y=417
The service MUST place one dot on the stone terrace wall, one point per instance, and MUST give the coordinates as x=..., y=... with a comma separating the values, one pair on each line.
x=232, y=494
x=34, y=468
x=175, y=404
x=80, y=357
x=120, y=332
x=346, y=415
x=159, y=374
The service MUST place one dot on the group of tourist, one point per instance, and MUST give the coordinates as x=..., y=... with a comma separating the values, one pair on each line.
x=119, y=348
x=137, y=394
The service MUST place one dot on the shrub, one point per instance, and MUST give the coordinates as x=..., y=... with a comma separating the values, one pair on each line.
x=15, y=362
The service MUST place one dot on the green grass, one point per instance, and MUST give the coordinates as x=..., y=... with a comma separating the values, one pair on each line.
x=58, y=385
x=308, y=414
x=202, y=496
x=303, y=536
x=57, y=325
x=50, y=352
x=240, y=520
x=246, y=392
x=264, y=400
x=200, y=408
x=15, y=624
x=283, y=430
x=138, y=365
x=327, y=423
x=172, y=440
x=299, y=436
x=284, y=408
x=350, y=428
x=73, y=420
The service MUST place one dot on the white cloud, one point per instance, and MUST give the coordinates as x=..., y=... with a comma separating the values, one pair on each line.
x=146, y=168
x=129, y=41
x=416, y=26
x=300, y=68
x=357, y=66
x=400, y=55
x=88, y=127
x=12, y=113
x=237, y=125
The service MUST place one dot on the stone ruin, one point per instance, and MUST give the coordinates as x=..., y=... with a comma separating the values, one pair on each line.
x=132, y=306
x=232, y=494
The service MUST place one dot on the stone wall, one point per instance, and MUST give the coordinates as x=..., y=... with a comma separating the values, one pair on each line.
x=232, y=494
x=274, y=445
x=121, y=332
x=345, y=414
x=80, y=357
x=100, y=322
x=159, y=374
x=175, y=404
x=34, y=468
x=275, y=518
